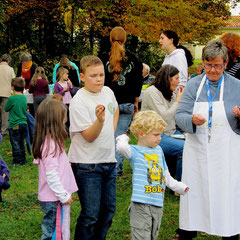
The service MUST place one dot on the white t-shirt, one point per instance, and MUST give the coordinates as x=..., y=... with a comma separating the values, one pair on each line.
x=177, y=58
x=82, y=116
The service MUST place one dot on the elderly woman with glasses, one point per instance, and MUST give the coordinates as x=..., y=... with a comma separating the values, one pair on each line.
x=208, y=112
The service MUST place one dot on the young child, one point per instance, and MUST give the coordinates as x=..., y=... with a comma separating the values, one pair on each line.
x=4, y=175
x=17, y=106
x=56, y=179
x=93, y=120
x=38, y=87
x=64, y=86
x=150, y=174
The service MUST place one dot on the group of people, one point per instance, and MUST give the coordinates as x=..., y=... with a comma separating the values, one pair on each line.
x=206, y=109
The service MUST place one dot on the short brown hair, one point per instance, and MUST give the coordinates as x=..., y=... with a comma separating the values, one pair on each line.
x=88, y=61
x=18, y=84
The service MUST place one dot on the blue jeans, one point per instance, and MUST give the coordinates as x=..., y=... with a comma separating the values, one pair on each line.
x=17, y=136
x=126, y=111
x=97, y=195
x=49, y=219
x=173, y=147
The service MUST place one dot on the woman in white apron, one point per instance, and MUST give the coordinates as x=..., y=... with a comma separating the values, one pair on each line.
x=211, y=156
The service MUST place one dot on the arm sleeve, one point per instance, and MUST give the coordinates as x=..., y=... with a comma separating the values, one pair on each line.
x=31, y=87
x=138, y=77
x=70, y=89
x=181, y=64
x=8, y=105
x=55, y=72
x=56, y=186
x=123, y=146
x=155, y=101
x=51, y=164
x=58, y=89
x=174, y=185
x=46, y=89
x=13, y=74
x=185, y=109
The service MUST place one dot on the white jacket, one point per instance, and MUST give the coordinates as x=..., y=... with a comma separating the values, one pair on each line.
x=178, y=59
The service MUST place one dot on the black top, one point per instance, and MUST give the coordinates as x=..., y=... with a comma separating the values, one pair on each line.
x=129, y=84
x=233, y=68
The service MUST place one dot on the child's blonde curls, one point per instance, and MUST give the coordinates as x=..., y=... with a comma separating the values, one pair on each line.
x=146, y=121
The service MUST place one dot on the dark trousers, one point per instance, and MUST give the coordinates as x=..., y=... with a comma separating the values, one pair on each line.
x=97, y=195
x=17, y=136
x=189, y=235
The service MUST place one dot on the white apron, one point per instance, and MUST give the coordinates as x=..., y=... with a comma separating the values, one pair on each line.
x=212, y=172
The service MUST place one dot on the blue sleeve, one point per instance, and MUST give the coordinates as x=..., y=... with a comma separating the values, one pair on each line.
x=55, y=72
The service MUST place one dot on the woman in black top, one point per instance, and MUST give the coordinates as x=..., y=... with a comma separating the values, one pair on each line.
x=123, y=74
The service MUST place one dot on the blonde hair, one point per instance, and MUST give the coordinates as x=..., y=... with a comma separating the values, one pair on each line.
x=58, y=97
x=88, y=61
x=38, y=72
x=117, y=54
x=146, y=121
x=60, y=72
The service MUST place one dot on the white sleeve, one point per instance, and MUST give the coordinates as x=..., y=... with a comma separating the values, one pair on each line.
x=56, y=186
x=175, y=185
x=123, y=147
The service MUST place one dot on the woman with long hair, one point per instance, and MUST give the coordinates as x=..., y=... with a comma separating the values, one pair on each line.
x=123, y=74
x=160, y=97
x=177, y=55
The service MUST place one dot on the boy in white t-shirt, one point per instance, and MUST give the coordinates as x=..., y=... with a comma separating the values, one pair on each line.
x=93, y=120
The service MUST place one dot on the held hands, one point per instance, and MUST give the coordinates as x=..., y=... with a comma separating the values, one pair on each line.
x=198, y=119
x=179, y=94
x=236, y=111
x=100, y=113
x=69, y=201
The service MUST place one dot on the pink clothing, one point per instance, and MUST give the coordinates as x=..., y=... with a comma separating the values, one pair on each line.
x=66, y=95
x=61, y=164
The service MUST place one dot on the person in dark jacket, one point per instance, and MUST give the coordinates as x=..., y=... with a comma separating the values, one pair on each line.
x=123, y=74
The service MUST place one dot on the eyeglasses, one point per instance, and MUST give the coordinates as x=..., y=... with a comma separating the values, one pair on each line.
x=216, y=67
x=38, y=71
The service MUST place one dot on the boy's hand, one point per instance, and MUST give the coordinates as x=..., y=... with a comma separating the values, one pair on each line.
x=69, y=201
x=4, y=175
x=100, y=113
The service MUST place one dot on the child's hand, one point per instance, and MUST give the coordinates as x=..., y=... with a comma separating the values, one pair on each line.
x=4, y=175
x=186, y=189
x=236, y=111
x=65, y=89
x=100, y=113
x=70, y=83
x=69, y=201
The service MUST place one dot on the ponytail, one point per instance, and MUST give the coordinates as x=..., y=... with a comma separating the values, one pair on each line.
x=188, y=55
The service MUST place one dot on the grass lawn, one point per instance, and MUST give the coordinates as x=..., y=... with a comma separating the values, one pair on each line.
x=20, y=214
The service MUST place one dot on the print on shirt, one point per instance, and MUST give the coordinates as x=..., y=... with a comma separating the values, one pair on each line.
x=122, y=80
x=155, y=173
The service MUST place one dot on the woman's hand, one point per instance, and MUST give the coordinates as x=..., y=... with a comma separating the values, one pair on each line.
x=198, y=119
x=236, y=111
x=179, y=94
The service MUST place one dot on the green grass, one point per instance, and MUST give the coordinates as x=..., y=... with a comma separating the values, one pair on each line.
x=20, y=214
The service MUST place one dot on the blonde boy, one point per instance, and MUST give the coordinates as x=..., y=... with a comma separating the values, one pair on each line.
x=93, y=120
x=150, y=174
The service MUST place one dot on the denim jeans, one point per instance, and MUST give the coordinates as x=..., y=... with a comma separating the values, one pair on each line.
x=126, y=111
x=97, y=195
x=36, y=102
x=17, y=136
x=174, y=148
x=49, y=219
